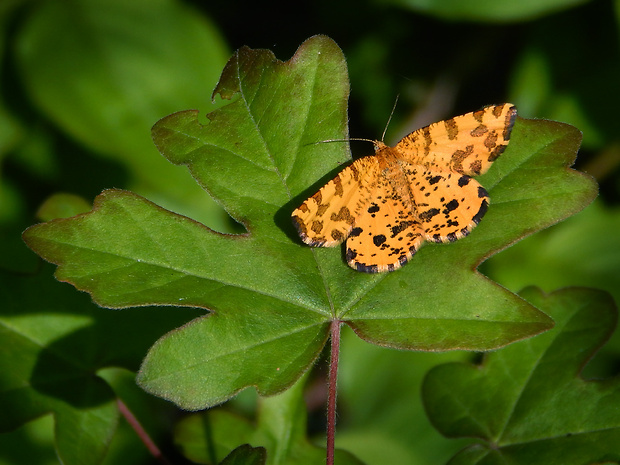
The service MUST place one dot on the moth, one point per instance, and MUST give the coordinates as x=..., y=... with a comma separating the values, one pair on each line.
x=387, y=204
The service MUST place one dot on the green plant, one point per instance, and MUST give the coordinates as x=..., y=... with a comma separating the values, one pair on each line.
x=273, y=301
x=83, y=81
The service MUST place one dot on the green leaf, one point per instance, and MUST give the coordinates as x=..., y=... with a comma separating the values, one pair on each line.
x=527, y=402
x=108, y=77
x=488, y=10
x=245, y=455
x=280, y=427
x=52, y=342
x=31, y=443
x=62, y=206
x=39, y=376
x=271, y=297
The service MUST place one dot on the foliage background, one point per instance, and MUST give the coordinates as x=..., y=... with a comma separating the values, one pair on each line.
x=83, y=81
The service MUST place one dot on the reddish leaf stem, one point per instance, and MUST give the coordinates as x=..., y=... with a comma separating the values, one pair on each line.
x=142, y=434
x=332, y=390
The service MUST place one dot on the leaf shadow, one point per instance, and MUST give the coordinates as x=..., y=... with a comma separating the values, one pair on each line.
x=89, y=337
x=64, y=370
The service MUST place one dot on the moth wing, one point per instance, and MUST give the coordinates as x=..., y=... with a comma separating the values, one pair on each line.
x=467, y=144
x=326, y=218
x=448, y=205
x=386, y=233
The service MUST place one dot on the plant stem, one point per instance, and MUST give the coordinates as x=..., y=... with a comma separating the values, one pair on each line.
x=142, y=434
x=332, y=390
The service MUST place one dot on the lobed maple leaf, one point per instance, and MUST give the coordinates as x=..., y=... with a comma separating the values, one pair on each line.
x=268, y=299
x=527, y=402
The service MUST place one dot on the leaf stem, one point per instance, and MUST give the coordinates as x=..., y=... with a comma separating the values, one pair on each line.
x=332, y=390
x=142, y=434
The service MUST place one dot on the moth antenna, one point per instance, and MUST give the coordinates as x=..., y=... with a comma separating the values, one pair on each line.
x=390, y=118
x=343, y=140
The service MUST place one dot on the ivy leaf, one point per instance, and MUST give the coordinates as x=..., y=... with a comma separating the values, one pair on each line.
x=280, y=427
x=527, y=402
x=272, y=298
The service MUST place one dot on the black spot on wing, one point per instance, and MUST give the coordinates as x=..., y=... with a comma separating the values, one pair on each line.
x=356, y=232
x=400, y=227
x=379, y=239
x=464, y=180
x=451, y=205
x=427, y=215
